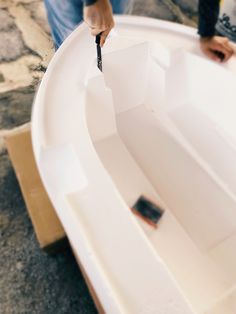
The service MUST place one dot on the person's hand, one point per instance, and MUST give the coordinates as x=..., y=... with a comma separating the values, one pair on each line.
x=217, y=48
x=99, y=17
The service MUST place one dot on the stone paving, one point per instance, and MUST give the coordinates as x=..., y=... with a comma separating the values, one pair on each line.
x=30, y=280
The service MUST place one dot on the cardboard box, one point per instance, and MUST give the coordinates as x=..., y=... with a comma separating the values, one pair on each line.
x=48, y=229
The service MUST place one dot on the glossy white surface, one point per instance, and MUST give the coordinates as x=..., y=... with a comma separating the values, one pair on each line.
x=153, y=125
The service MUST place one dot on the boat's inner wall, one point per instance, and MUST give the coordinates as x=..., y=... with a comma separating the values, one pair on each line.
x=198, y=231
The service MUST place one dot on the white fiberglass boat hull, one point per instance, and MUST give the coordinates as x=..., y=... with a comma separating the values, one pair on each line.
x=152, y=125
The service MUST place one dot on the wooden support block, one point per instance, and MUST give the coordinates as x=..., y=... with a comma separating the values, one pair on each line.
x=48, y=229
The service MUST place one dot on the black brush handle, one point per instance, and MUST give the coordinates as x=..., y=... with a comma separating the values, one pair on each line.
x=99, y=52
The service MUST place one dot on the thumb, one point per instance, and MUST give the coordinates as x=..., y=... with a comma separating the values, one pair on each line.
x=104, y=37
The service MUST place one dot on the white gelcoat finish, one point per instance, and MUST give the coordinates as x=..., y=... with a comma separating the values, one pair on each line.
x=100, y=141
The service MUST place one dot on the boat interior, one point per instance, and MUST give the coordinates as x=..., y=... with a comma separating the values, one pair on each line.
x=160, y=130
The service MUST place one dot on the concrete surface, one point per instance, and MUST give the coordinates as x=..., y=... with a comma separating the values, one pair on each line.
x=30, y=280
x=11, y=42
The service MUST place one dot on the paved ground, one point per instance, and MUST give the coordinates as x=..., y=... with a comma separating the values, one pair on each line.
x=30, y=280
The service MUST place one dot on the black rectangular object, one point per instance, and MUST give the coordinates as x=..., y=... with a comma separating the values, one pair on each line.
x=148, y=210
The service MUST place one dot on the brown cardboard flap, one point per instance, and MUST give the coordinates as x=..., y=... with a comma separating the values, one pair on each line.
x=47, y=226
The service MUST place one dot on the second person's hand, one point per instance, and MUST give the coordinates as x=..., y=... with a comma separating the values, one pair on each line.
x=217, y=48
